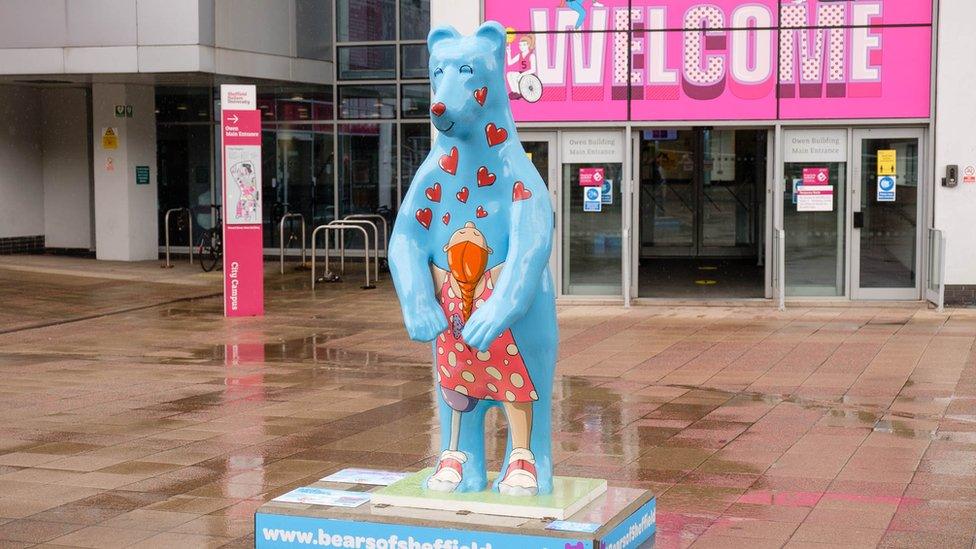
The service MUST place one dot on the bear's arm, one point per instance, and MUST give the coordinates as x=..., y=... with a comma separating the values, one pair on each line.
x=410, y=269
x=529, y=247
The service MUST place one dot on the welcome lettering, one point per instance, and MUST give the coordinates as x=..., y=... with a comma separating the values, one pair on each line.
x=822, y=51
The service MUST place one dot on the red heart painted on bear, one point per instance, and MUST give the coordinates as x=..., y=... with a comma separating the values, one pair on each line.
x=480, y=212
x=449, y=162
x=434, y=193
x=485, y=178
x=495, y=135
x=519, y=192
x=480, y=95
x=462, y=195
x=424, y=215
x=447, y=218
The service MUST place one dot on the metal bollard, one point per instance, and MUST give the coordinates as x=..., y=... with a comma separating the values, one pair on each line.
x=386, y=231
x=281, y=238
x=189, y=228
x=376, y=246
x=340, y=229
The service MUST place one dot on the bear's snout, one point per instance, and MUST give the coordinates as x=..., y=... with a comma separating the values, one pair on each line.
x=438, y=108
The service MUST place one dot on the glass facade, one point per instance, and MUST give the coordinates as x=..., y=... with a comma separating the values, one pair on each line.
x=328, y=150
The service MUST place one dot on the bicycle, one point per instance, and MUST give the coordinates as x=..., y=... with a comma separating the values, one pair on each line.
x=211, y=247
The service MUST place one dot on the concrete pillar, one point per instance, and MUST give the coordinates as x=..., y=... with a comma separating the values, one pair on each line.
x=463, y=16
x=126, y=227
x=954, y=145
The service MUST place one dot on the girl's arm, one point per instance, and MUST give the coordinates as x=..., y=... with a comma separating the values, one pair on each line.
x=511, y=58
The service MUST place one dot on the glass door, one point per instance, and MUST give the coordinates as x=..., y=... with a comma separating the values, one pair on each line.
x=668, y=192
x=591, y=218
x=885, y=211
x=541, y=150
x=813, y=212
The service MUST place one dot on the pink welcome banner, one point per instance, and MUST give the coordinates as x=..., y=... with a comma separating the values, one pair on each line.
x=720, y=60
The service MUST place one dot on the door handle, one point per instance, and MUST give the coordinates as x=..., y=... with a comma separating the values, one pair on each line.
x=858, y=220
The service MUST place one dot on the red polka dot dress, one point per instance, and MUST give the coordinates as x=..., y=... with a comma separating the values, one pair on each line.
x=496, y=374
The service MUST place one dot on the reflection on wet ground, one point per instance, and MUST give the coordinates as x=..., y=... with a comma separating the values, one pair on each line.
x=167, y=425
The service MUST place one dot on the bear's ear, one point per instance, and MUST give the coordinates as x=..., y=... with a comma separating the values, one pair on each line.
x=493, y=32
x=440, y=33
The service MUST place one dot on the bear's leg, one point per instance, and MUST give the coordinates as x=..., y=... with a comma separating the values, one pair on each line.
x=520, y=475
x=541, y=439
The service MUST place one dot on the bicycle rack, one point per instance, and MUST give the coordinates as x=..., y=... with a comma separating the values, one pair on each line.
x=376, y=245
x=386, y=234
x=281, y=238
x=337, y=226
x=189, y=229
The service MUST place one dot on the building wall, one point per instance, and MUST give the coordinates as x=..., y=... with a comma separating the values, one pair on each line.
x=67, y=177
x=955, y=134
x=255, y=39
x=463, y=16
x=21, y=163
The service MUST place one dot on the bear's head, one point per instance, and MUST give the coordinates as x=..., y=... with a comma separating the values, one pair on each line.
x=467, y=80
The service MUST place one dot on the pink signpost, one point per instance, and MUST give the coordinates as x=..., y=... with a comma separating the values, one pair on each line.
x=240, y=122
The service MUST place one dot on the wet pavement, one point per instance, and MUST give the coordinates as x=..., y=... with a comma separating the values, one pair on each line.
x=133, y=414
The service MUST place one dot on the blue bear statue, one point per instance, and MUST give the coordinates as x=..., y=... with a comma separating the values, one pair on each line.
x=469, y=258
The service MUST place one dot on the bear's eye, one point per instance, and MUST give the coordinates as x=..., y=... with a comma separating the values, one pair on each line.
x=438, y=71
x=466, y=69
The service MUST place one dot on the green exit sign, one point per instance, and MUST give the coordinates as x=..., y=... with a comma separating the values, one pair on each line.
x=123, y=111
x=142, y=175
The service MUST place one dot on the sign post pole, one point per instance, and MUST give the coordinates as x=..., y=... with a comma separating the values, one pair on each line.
x=240, y=123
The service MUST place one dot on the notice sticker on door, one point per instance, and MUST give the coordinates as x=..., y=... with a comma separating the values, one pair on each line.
x=815, y=198
x=816, y=176
x=886, y=188
x=606, y=192
x=592, y=199
x=887, y=161
x=591, y=177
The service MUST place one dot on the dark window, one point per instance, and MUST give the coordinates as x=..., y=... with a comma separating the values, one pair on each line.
x=295, y=103
x=313, y=26
x=367, y=101
x=367, y=172
x=415, y=100
x=413, y=61
x=183, y=104
x=183, y=162
x=366, y=20
x=367, y=62
x=414, y=19
x=414, y=147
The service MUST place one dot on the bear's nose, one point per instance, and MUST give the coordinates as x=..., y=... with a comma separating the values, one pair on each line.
x=438, y=108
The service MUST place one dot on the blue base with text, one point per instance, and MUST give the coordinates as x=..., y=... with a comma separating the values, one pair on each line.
x=622, y=518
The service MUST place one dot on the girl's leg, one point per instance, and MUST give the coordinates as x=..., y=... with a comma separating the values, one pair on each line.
x=455, y=430
x=577, y=6
x=519, y=422
x=513, y=81
x=520, y=475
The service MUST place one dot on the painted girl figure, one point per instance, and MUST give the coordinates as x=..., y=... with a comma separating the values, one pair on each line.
x=577, y=6
x=467, y=376
x=522, y=62
x=247, y=202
